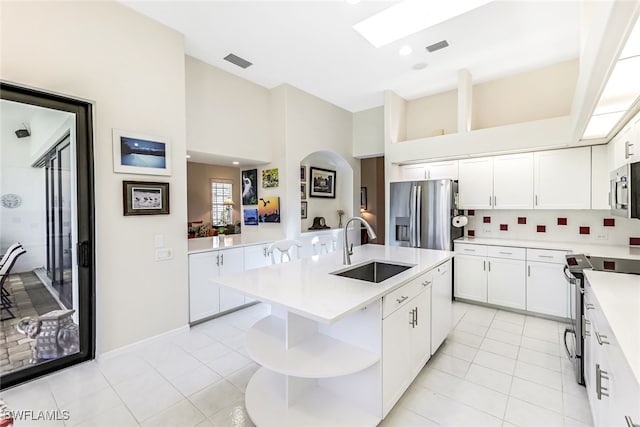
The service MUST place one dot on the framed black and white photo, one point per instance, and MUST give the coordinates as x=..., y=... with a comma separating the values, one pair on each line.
x=145, y=198
x=140, y=154
x=303, y=210
x=323, y=183
x=303, y=173
x=250, y=187
x=303, y=191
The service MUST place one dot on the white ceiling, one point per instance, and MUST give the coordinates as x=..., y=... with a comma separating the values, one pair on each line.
x=312, y=45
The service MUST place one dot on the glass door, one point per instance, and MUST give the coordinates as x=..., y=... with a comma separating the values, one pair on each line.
x=46, y=232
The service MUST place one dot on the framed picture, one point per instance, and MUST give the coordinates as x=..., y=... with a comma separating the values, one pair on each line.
x=140, y=154
x=303, y=191
x=269, y=178
x=250, y=216
x=363, y=198
x=303, y=210
x=250, y=187
x=303, y=173
x=145, y=198
x=323, y=183
x=269, y=209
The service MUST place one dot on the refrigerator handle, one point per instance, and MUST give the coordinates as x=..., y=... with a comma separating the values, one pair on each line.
x=418, y=218
x=412, y=215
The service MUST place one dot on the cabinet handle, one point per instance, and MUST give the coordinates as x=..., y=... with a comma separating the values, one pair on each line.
x=528, y=270
x=546, y=256
x=411, y=319
x=218, y=260
x=426, y=283
x=401, y=299
x=495, y=201
x=416, y=315
x=490, y=201
x=627, y=149
x=630, y=422
x=600, y=389
x=489, y=266
x=469, y=250
x=536, y=200
x=585, y=323
x=264, y=252
x=506, y=253
x=222, y=259
x=600, y=339
x=484, y=265
x=589, y=306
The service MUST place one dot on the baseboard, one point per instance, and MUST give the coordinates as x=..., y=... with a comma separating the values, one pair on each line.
x=129, y=348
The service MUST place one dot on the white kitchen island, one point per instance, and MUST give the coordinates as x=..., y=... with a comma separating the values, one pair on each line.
x=339, y=351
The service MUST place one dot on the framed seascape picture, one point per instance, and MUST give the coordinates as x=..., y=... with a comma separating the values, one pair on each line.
x=269, y=209
x=323, y=183
x=269, y=178
x=303, y=210
x=303, y=191
x=140, y=154
x=145, y=198
x=250, y=187
x=250, y=216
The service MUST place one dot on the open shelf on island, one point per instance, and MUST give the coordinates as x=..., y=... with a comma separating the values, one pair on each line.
x=266, y=404
x=318, y=356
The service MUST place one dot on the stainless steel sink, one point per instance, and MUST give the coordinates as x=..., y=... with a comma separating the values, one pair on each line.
x=374, y=272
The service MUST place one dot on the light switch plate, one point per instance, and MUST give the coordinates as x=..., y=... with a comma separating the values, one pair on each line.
x=158, y=241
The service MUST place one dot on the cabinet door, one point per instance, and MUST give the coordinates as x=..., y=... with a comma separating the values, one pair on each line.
x=599, y=178
x=506, y=282
x=441, y=309
x=420, y=332
x=204, y=298
x=632, y=144
x=513, y=181
x=231, y=261
x=547, y=289
x=412, y=172
x=562, y=179
x=395, y=356
x=442, y=170
x=470, y=277
x=255, y=256
x=475, y=179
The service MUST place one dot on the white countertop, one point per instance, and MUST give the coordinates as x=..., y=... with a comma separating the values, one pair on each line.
x=608, y=251
x=205, y=244
x=305, y=287
x=619, y=298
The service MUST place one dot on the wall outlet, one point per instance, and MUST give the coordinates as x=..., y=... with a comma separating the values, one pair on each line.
x=602, y=235
x=163, y=254
x=486, y=230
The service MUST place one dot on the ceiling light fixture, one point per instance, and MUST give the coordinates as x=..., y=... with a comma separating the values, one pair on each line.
x=188, y=156
x=411, y=16
x=621, y=91
x=405, y=50
x=235, y=163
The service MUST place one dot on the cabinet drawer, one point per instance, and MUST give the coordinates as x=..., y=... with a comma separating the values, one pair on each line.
x=546, y=255
x=470, y=249
x=401, y=296
x=506, y=252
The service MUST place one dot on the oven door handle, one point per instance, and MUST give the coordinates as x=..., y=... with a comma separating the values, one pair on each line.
x=570, y=278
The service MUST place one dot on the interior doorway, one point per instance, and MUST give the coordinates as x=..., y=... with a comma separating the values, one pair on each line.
x=46, y=233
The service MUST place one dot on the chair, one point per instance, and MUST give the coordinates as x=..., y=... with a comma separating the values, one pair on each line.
x=284, y=247
x=324, y=244
x=5, y=270
x=8, y=252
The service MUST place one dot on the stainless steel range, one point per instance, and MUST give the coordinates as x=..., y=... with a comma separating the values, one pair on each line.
x=573, y=270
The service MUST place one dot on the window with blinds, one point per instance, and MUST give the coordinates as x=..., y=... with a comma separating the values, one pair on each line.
x=220, y=191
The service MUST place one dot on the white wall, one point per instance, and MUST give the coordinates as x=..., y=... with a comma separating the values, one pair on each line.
x=368, y=133
x=132, y=68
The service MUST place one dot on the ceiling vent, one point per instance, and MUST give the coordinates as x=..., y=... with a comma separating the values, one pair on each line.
x=23, y=132
x=236, y=60
x=437, y=46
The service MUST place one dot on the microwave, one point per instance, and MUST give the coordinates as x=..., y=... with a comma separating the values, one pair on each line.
x=625, y=191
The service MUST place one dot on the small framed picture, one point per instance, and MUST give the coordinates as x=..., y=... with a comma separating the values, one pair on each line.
x=303, y=191
x=145, y=198
x=303, y=210
x=270, y=178
x=250, y=187
x=140, y=154
x=323, y=183
x=363, y=198
x=250, y=216
x=303, y=173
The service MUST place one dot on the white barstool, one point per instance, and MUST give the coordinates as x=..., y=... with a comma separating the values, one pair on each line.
x=324, y=244
x=285, y=248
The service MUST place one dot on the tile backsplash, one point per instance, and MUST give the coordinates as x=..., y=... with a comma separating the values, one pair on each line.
x=593, y=226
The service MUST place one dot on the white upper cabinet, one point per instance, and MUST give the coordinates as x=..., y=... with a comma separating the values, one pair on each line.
x=513, y=181
x=476, y=183
x=413, y=172
x=562, y=179
x=599, y=178
x=442, y=170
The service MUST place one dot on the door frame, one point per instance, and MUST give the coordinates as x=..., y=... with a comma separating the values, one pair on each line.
x=83, y=111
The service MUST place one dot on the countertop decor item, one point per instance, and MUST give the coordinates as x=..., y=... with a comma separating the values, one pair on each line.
x=319, y=223
x=340, y=213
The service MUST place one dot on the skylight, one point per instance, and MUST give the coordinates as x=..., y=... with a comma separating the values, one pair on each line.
x=411, y=16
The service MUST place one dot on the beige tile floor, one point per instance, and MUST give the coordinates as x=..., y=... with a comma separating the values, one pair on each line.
x=496, y=368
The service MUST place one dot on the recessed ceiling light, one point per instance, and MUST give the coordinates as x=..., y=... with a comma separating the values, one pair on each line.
x=188, y=156
x=411, y=16
x=235, y=163
x=405, y=50
x=419, y=66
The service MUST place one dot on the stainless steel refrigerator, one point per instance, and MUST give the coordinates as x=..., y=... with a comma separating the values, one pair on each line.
x=421, y=214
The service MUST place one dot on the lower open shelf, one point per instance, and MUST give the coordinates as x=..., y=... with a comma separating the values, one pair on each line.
x=266, y=403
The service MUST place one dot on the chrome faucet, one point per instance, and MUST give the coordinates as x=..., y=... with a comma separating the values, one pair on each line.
x=348, y=250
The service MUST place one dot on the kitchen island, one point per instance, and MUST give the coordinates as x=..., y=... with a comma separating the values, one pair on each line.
x=341, y=351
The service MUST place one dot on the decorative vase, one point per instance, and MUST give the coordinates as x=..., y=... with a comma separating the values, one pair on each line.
x=340, y=220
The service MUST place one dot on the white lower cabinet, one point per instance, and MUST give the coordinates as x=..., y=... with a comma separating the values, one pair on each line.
x=506, y=283
x=547, y=289
x=406, y=336
x=470, y=277
x=441, y=309
x=231, y=261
